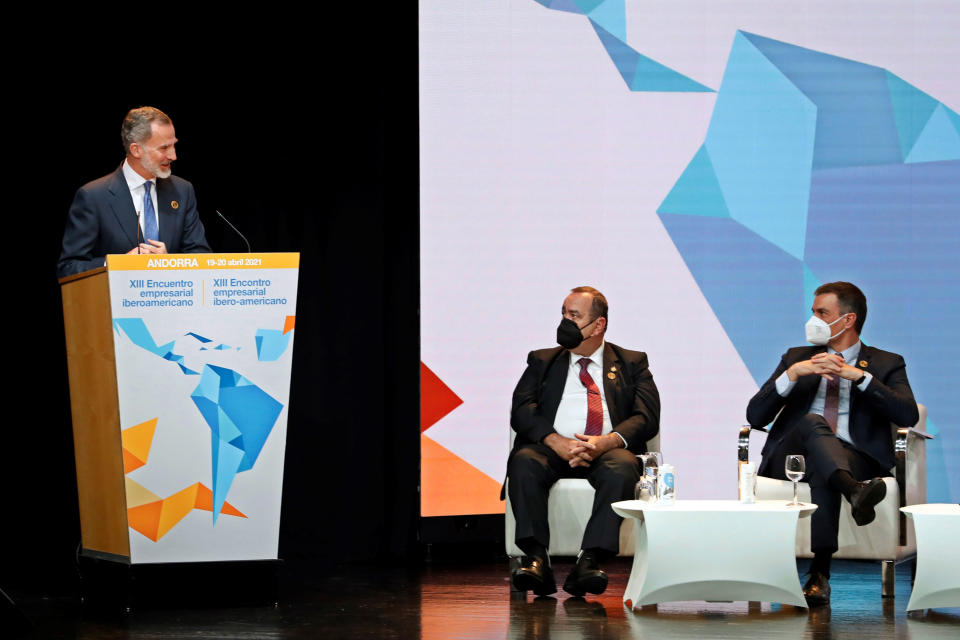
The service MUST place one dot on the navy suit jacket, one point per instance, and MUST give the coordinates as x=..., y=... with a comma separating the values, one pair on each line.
x=888, y=399
x=103, y=220
x=633, y=402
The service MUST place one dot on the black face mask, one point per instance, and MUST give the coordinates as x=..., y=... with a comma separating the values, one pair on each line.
x=569, y=335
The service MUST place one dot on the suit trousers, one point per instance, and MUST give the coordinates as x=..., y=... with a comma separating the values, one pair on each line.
x=824, y=454
x=532, y=470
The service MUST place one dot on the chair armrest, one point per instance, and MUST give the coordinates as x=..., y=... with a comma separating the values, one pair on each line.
x=743, y=442
x=910, y=470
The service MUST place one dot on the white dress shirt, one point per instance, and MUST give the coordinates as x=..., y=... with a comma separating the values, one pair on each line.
x=850, y=355
x=136, y=182
x=572, y=412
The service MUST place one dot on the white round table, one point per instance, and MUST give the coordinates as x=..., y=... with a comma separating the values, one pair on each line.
x=718, y=550
x=937, y=528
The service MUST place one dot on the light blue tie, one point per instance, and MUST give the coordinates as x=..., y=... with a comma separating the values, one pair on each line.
x=150, y=231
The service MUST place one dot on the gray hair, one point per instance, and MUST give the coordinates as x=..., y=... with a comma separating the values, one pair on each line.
x=138, y=125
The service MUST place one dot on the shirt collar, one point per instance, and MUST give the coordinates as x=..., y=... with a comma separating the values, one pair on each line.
x=134, y=179
x=596, y=357
x=850, y=353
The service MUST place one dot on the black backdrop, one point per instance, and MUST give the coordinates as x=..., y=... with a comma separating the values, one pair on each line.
x=304, y=133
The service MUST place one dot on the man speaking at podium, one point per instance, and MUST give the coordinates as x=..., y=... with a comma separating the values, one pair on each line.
x=140, y=207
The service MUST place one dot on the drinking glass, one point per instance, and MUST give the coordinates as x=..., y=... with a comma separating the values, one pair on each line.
x=795, y=467
x=647, y=486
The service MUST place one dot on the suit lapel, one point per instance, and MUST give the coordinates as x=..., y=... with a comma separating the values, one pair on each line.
x=121, y=204
x=555, y=378
x=167, y=215
x=612, y=382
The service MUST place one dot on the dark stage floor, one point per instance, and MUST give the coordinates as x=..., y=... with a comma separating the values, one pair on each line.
x=473, y=601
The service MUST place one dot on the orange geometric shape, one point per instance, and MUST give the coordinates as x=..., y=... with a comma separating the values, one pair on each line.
x=205, y=502
x=136, y=442
x=436, y=398
x=156, y=519
x=288, y=323
x=145, y=518
x=451, y=486
x=175, y=508
x=137, y=494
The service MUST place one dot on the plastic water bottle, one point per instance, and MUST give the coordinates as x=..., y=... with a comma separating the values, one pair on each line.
x=666, y=484
x=748, y=483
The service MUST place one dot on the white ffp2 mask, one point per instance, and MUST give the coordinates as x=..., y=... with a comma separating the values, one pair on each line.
x=818, y=331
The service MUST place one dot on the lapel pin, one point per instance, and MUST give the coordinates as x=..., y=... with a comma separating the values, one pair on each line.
x=612, y=375
x=863, y=364
x=174, y=205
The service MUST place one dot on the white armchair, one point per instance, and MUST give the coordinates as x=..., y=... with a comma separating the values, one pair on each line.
x=890, y=537
x=568, y=510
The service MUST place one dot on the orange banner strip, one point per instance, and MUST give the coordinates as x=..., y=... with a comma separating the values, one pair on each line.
x=198, y=261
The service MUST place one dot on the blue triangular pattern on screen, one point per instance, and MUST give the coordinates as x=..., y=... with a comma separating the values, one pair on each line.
x=936, y=466
x=697, y=191
x=889, y=228
x=938, y=141
x=653, y=76
x=911, y=110
x=810, y=284
x=954, y=118
x=855, y=122
x=738, y=272
x=624, y=58
x=893, y=239
x=760, y=141
x=571, y=6
x=612, y=16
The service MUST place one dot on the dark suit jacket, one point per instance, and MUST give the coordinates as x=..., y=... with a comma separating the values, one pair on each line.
x=633, y=402
x=103, y=220
x=888, y=399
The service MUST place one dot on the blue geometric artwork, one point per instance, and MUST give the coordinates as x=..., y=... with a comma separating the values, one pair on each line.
x=271, y=343
x=817, y=168
x=136, y=331
x=609, y=20
x=240, y=416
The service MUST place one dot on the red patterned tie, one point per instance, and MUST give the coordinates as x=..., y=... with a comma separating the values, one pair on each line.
x=594, y=403
x=831, y=404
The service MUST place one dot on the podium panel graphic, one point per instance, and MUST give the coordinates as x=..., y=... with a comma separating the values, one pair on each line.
x=179, y=382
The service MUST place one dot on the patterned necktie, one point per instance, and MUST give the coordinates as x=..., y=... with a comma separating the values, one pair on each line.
x=832, y=403
x=594, y=403
x=150, y=231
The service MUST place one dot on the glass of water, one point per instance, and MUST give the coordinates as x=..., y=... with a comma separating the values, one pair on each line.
x=795, y=467
x=646, y=489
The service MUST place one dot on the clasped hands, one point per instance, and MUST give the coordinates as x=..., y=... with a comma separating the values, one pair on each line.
x=581, y=450
x=825, y=365
x=149, y=246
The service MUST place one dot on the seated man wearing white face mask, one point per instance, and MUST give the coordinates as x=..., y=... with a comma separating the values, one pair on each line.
x=838, y=399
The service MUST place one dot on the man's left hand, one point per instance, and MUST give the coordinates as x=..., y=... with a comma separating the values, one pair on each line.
x=592, y=447
x=153, y=246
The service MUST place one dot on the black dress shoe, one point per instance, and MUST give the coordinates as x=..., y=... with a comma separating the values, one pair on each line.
x=864, y=498
x=534, y=575
x=817, y=590
x=585, y=577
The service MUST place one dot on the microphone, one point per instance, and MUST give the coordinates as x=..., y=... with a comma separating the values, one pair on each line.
x=139, y=234
x=249, y=250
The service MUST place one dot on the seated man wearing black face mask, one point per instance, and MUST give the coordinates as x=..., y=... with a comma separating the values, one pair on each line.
x=584, y=409
x=836, y=401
